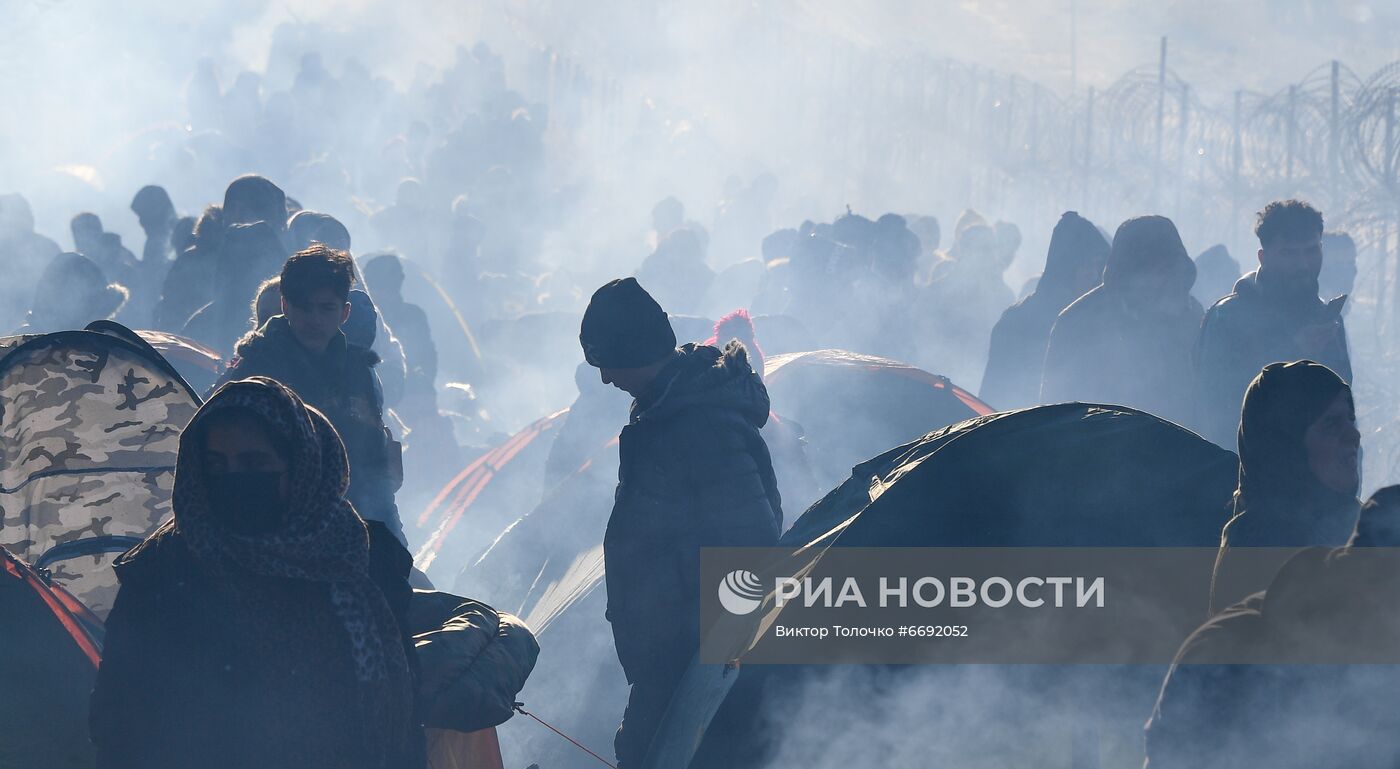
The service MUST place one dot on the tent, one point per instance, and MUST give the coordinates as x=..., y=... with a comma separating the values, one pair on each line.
x=852, y=406
x=199, y=365
x=49, y=651
x=488, y=494
x=90, y=427
x=547, y=566
x=1072, y=474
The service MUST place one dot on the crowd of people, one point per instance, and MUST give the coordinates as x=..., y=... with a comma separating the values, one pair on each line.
x=264, y=625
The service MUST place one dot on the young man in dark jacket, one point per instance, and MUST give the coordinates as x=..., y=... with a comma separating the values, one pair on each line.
x=694, y=473
x=305, y=349
x=1274, y=314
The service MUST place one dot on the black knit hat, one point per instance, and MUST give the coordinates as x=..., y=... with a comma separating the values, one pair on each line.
x=624, y=327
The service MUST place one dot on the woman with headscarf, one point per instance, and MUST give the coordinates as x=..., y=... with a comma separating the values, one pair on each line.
x=1299, y=451
x=1073, y=265
x=1129, y=341
x=257, y=627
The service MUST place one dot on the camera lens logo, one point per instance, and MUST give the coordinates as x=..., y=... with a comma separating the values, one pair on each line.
x=740, y=592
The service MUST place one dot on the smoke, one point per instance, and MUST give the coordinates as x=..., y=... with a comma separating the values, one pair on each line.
x=603, y=111
x=648, y=100
x=967, y=716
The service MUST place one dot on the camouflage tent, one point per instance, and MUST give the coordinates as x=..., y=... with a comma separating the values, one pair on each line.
x=90, y=425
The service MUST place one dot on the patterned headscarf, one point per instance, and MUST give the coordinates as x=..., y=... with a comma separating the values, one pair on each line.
x=322, y=539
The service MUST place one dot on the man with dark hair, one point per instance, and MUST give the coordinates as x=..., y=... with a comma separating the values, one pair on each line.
x=1274, y=314
x=694, y=473
x=305, y=349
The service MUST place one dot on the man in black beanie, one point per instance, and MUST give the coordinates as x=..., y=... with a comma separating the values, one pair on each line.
x=694, y=473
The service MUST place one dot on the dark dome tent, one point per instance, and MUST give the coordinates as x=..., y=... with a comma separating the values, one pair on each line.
x=1073, y=475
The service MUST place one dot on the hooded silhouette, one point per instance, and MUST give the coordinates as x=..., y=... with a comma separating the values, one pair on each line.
x=1073, y=265
x=1281, y=502
x=1128, y=341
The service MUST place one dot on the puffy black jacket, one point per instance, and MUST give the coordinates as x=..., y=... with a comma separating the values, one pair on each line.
x=694, y=473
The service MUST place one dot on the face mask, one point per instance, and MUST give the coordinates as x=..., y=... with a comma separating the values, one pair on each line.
x=247, y=503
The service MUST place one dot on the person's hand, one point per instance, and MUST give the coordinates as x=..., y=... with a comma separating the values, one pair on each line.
x=1313, y=339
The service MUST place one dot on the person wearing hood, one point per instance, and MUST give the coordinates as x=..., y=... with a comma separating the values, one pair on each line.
x=189, y=283
x=158, y=219
x=263, y=624
x=679, y=271
x=1216, y=273
x=248, y=254
x=964, y=302
x=25, y=253
x=307, y=227
x=306, y=349
x=1274, y=314
x=252, y=198
x=72, y=293
x=1292, y=675
x=1299, y=469
x=1016, y=357
x=105, y=249
x=1128, y=341
x=156, y=215
x=694, y=472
